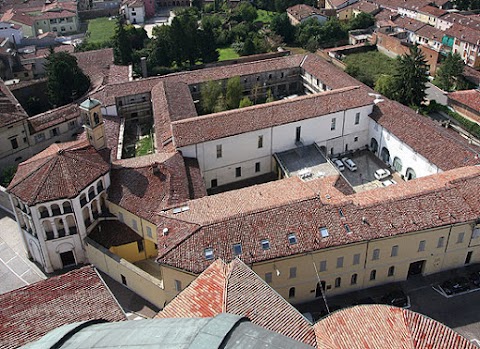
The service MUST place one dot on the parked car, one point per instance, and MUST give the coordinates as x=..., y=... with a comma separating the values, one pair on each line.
x=456, y=285
x=397, y=298
x=388, y=182
x=338, y=163
x=475, y=278
x=382, y=173
x=349, y=164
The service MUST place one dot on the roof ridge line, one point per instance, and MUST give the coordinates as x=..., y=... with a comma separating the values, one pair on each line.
x=228, y=272
x=52, y=163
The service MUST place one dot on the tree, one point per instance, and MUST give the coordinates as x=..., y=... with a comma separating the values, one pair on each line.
x=234, y=92
x=245, y=12
x=411, y=77
x=361, y=21
x=449, y=72
x=386, y=85
x=221, y=104
x=210, y=92
x=248, y=47
x=245, y=102
x=185, y=26
x=256, y=92
x=270, y=97
x=65, y=80
x=207, y=46
x=280, y=25
x=122, y=51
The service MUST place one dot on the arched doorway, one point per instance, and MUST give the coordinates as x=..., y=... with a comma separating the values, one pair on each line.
x=397, y=164
x=374, y=145
x=410, y=174
x=385, y=155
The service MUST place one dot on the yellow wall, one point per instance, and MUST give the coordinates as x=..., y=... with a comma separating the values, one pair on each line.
x=170, y=275
x=128, y=252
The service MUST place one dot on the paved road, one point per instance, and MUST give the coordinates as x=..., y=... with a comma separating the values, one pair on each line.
x=15, y=269
x=434, y=93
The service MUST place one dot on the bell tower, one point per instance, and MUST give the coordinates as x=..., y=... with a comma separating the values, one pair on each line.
x=93, y=119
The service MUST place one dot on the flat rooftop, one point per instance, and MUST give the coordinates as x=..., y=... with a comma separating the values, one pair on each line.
x=306, y=162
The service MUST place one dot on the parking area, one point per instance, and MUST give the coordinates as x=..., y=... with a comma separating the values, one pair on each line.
x=364, y=177
x=460, y=312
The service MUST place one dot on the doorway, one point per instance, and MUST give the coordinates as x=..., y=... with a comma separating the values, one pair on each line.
x=318, y=290
x=469, y=257
x=68, y=259
x=416, y=268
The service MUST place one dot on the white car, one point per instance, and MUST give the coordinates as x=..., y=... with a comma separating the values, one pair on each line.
x=338, y=163
x=382, y=173
x=388, y=182
x=349, y=164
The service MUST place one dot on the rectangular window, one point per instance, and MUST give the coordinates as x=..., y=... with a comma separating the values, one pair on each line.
x=323, y=265
x=214, y=183
x=421, y=246
x=149, y=232
x=394, y=251
x=357, y=118
x=268, y=278
x=120, y=216
x=460, y=238
x=140, y=246
x=238, y=172
x=441, y=240
x=71, y=125
x=219, y=151
x=260, y=142
x=356, y=259
x=14, y=143
x=355, y=139
x=237, y=249
x=293, y=272
x=376, y=254
x=340, y=262
x=257, y=167
x=323, y=232
x=373, y=275
x=333, y=124
x=39, y=137
x=178, y=285
x=292, y=239
x=209, y=253
x=134, y=224
x=265, y=244
x=298, y=133
x=54, y=132
x=124, y=279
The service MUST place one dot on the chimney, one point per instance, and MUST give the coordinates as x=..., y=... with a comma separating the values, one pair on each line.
x=143, y=64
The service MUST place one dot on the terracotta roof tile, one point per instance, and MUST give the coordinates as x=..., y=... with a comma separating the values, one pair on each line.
x=409, y=24
x=466, y=21
x=387, y=327
x=30, y=312
x=236, y=289
x=302, y=11
x=53, y=117
x=469, y=98
x=464, y=33
x=96, y=64
x=472, y=75
x=61, y=171
x=10, y=109
x=432, y=10
x=363, y=6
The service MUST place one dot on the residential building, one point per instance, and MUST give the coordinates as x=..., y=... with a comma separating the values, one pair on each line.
x=300, y=13
x=356, y=8
x=430, y=14
x=338, y=4
x=133, y=11
x=30, y=312
x=466, y=42
x=12, y=32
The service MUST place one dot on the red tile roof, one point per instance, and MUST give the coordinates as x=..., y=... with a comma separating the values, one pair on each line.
x=96, y=64
x=150, y=184
x=471, y=75
x=53, y=117
x=302, y=11
x=236, y=289
x=12, y=15
x=113, y=233
x=61, y=171
x=464, y=33
x=409, y=24
x=467, y=21
x=430, y=32
x=363, y=6
x=10, y=109
x=469, y=98
x=382, y=326
x=444, y=148
x=30, y=312
x=205, y=127
x=432, y=10
x=256, y=213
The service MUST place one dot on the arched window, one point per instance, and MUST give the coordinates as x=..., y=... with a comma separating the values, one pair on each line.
x=83, y=199
x=391, y=271
x=374, y=145
x=353, y=280
x=410, y=174
x=373, y=275
x=397, y=164
x=99, y=186
x=91, y=194
x=67, y=207
x=291, y=292
x=43, y=212
x=385, y=155
x=96, y=118
x=338, y=282
x=55, y=210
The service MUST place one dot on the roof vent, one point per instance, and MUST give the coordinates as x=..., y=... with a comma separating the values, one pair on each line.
x=165, y=231
x=60, y=151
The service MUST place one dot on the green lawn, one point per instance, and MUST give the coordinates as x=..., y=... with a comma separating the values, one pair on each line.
x=265, y=16
x=101, y=29
x=144, y=146
x=227, y=53
x=368, y=66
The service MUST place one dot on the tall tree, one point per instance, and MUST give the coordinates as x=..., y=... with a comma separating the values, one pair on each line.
x=386, y=85
x=207, y=46
x=282, y=26
x=449, y=72
x=234, y=92
x=122, y=51
x=210, y=92
x=411, y=77
x=65, y=80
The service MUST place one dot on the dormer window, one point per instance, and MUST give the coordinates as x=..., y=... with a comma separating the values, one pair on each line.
x=237, y=249
x=265, y=244
x=209, y=253
x=347, y=228
x=323, y=232
x=292, y=239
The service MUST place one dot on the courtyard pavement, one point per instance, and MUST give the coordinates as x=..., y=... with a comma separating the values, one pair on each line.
x=16, y=270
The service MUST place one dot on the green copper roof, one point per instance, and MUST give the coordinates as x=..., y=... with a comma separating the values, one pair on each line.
x=89, y=103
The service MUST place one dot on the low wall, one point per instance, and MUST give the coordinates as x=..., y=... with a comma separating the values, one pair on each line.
x=5, y=203
x=137, y=280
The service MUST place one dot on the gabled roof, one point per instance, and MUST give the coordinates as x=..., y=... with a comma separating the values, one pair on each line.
x=53, y=117
x=61, y=171
x=236, y=289
x=431, y=33
x=31, y=311
x=432, y=10
x=469, y=98
x=302, y=11
x=10, y=110
x=382, y=326
x=409, y=24
x=463, y=33
x=363, y=6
